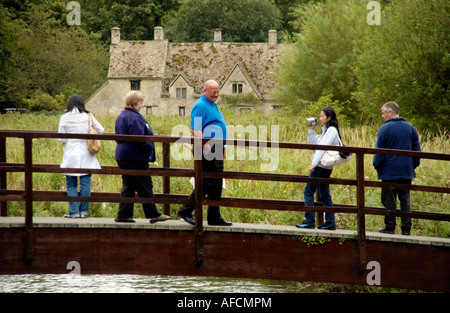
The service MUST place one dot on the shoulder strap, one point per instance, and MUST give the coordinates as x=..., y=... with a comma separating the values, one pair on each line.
x=90, y=122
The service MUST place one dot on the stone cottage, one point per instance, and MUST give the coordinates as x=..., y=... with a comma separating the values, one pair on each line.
x=171, y=75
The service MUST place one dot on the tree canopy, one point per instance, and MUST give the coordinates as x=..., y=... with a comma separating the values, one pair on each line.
x=336, y=56
x=240, y=20
x=337, y=53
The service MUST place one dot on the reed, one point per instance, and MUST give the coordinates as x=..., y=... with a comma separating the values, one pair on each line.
x=291, y=129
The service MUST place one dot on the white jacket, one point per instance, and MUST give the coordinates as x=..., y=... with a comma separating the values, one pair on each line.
x=329, y=137
x=76, y=154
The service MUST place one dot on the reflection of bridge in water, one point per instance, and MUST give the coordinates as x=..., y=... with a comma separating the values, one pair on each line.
x=99, y=245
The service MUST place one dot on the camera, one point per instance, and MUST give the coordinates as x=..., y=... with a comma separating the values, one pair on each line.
x=311, y=121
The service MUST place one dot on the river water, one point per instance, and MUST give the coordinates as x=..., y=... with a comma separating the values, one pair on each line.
x=70, y=283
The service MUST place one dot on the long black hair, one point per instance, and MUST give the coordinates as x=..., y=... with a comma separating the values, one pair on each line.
x=76, y=101
x=329, y=112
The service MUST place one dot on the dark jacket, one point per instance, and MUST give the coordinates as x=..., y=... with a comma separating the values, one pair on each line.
x=131, y=122
x=396, y=133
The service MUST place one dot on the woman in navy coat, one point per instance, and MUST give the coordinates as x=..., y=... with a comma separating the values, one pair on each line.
x=135, y=155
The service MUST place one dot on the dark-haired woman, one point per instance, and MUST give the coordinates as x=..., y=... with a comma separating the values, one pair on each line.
x=330, y=136
x=76, y=154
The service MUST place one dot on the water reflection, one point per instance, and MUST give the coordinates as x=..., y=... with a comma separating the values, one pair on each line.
x=67, y=283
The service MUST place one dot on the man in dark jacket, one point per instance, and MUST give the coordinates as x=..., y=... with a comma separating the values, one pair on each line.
x=396, y=133
x=135, y=155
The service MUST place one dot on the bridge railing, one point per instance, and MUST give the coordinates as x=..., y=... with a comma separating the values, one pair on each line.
x=28, y=195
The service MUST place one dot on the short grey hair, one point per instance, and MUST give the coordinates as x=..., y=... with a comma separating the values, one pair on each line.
x=391, y=106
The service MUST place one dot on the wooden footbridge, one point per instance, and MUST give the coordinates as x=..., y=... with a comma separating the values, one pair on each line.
x=99, y=245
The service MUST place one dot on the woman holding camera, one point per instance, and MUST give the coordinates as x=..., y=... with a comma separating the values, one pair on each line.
x=330, y=136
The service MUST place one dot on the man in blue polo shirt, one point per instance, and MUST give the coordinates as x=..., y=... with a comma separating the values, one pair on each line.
x=208, y=122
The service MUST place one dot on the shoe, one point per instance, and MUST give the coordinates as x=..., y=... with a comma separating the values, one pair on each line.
x=72, y=215
x=124, y=220
x=160, y=218
x=385, y=230
x=187, y=219
x=406, y=232
x=305, y=225
x=219, y=222
x=327, y=226
x=83, y=215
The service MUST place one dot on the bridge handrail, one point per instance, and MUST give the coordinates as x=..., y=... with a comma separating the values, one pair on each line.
x=29, y=195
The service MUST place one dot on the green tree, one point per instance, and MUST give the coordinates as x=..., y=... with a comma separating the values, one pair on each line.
x=240, y=20
x=321, y=60
x=407, y=60
x=135, y=18
x=48, y=58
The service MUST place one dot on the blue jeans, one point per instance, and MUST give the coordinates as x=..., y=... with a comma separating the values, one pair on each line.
x=324, y=193
x=72, y=191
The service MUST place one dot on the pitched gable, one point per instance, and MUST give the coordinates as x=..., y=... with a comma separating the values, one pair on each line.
x=239, y=81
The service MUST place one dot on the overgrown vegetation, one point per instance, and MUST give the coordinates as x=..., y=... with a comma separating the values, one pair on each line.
x=292, y=128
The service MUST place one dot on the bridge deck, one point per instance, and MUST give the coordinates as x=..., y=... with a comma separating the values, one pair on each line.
x=102, y=246
x=177, y=225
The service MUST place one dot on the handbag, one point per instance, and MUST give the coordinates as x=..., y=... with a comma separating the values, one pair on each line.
x=93, y=145
x=333, y=158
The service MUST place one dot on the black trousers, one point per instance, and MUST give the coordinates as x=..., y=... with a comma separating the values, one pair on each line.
x=211, y=187
x=389, y=201
x=143, y=185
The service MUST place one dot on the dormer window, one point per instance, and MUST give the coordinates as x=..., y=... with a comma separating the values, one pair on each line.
x=181, y=93
x=237, y=88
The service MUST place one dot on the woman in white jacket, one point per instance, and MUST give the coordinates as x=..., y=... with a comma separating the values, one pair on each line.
x=76, y=154
x=330, y=136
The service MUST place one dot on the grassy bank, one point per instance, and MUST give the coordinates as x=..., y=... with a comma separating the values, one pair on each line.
x=291, y=129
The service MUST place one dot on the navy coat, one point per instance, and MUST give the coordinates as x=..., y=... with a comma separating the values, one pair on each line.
x=131, y=122
x=396, y=133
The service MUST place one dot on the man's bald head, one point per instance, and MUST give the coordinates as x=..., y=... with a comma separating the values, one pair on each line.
x=211, y=90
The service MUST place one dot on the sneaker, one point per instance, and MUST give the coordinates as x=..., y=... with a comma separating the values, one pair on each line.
x=219, y=222
x=187, y=219
x=305, y=225
x=386, y=230
x=72, y=215
x=124, y=220
x=327, y=226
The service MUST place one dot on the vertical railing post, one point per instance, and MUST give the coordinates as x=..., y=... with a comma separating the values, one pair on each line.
x=28, y=200
x=3, y=177
x=362, y=245
x=319, y=215
x=198, y=229
x=166, y=179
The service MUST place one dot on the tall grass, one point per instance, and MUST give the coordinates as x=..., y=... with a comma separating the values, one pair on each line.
x=291, y=129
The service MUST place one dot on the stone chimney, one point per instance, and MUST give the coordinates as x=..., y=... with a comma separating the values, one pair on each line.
x=272, y=39
x=217, y=35
x=115, y=35
x=158, y=33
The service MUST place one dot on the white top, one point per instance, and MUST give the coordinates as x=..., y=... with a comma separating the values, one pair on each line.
x=329, y=137
x=76, y=154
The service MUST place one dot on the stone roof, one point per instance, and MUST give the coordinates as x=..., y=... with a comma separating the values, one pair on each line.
x=215, y=60
x=138, y=59
x=198, y=62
